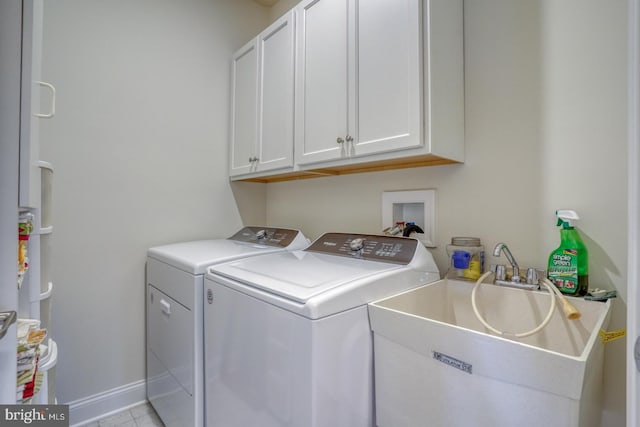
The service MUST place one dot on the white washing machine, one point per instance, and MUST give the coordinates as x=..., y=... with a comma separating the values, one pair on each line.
x=287, y=337
x=175, y=276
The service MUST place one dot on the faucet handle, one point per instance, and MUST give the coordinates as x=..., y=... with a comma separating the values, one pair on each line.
x=501, y=272
x=532, y=276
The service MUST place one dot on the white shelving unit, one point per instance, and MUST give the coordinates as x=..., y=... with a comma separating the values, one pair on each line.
x=36, y=193
x=26, y=185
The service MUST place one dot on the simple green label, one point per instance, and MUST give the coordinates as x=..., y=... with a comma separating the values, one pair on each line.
x=563, y=270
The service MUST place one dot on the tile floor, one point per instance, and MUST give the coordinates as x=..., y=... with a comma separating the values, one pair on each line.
x=139, y=416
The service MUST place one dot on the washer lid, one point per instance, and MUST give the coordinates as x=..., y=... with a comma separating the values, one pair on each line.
x=194, y=257
x=301, y=275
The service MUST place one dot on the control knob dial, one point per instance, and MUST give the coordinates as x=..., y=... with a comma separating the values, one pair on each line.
x=356, y=244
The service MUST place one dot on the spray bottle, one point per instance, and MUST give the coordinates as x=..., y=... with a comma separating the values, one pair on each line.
x=568, y=265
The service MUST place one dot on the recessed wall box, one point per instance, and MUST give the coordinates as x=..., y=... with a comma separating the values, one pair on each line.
x=411, y=206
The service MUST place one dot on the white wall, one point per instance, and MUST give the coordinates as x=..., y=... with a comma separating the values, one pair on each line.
x=585, y=114
x=545, y=107
x=140, y=156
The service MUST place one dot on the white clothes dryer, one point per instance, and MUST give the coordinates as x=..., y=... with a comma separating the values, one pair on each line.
x=174, y=303
x=287, y=337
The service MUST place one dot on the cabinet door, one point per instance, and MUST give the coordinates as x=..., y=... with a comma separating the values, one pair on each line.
x=276, y=56
x=322, y=79
x=388, y=76
x=32, y=16
x=244, y=102
x=10, y=35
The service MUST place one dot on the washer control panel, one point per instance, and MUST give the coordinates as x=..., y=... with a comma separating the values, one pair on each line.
x=397, y=250
x=278, y=237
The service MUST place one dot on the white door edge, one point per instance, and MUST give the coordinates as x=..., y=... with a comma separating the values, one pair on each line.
x=633, y=276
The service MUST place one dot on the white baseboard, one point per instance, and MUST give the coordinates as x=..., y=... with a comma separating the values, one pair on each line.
x=92, y=408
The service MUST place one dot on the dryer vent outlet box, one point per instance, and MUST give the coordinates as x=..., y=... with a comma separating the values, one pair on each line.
x=411, y=206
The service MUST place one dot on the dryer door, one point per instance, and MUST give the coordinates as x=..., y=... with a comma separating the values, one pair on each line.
x=169, y=356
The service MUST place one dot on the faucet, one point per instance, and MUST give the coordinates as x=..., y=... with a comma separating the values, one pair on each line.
x=502, y=247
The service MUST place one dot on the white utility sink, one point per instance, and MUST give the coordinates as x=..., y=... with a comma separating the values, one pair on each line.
x=437, y=365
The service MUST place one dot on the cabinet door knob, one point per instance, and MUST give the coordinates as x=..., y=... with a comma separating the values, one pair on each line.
x=349, y=138
x=339, y=140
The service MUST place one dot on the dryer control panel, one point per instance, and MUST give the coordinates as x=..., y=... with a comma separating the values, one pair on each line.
x=397, y=250
x=278, y=237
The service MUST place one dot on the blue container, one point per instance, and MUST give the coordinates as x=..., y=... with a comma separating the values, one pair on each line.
x=461, y=259
x=466, y=258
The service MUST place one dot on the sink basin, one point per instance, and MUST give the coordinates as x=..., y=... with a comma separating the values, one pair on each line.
x=436, y=364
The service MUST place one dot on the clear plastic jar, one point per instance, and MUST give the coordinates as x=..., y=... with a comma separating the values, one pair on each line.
x=466, y=258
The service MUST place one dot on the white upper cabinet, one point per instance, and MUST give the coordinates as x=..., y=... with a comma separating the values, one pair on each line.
x=244, y=105
x=275, y=122
x=323, y=81
x=262, y=101
x=359, y=78
x=388, y=69
x=379, y=84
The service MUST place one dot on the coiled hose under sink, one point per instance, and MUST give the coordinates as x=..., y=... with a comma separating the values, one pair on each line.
x=570, y=311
